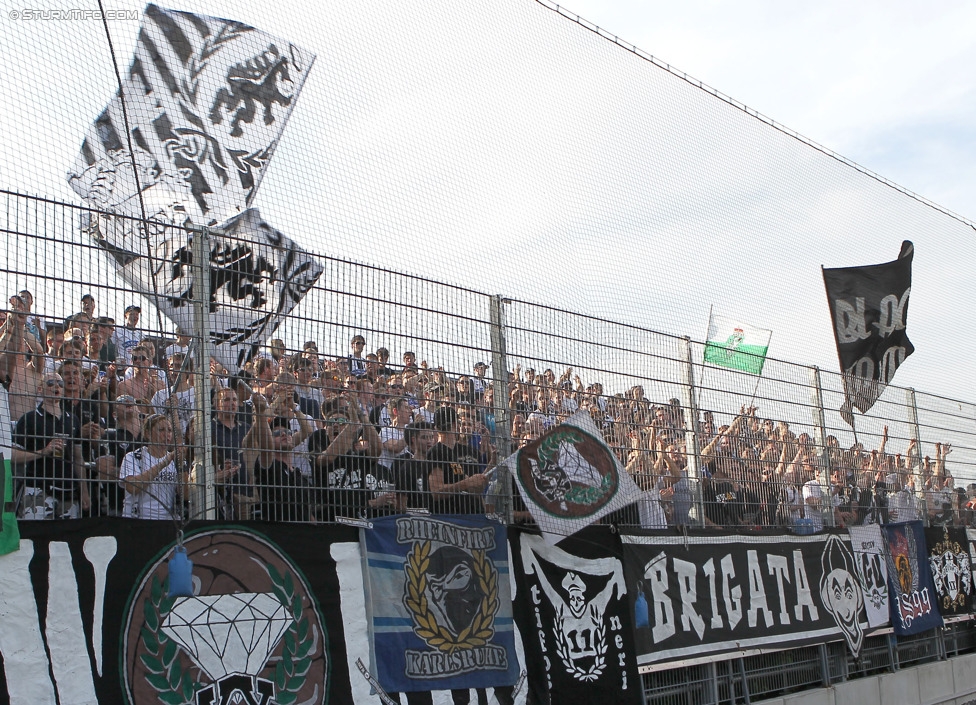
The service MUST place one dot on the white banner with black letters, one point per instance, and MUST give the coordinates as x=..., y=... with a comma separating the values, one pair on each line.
x=708, y=595
x=872, y=571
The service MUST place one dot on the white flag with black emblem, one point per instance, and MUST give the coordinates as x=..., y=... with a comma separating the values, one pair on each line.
x=186, y=143
x=206, y=100
x=569, y=478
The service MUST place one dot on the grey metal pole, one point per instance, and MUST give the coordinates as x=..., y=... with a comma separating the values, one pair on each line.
x=693, y=452
x=503, y=424
x=820, y=433
x=916, y=460
x=203, y=501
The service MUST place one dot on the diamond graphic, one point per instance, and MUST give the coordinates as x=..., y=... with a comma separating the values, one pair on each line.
x=226, y=634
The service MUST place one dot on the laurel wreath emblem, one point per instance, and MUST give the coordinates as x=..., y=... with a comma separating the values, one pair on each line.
x=163, y=670
x=176, y=686
x=481, y=629
x=562, y=649
x=296, y=654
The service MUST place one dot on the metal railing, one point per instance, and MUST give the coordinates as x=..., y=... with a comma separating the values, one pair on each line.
x=659, y=406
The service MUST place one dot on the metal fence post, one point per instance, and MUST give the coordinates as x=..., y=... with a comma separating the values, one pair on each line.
x=692, y=451
x=203, y=500
x=916, y=459
x=500, y=401
x=820, y=434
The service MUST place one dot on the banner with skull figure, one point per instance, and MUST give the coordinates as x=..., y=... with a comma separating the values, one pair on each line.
x=951, y=566
x=185, y=143
x=571, y=608
x=913, y=599
x=872, y=571
x=716, y=594
x=569, y=478
x=438, y=603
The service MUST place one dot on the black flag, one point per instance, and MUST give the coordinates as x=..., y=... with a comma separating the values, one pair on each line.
x=869, y=308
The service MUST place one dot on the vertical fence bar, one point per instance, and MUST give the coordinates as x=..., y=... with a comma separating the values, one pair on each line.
x=915, y=462
x=203, y=501
x=820, y=435
x=691, y=433
x=503, y=424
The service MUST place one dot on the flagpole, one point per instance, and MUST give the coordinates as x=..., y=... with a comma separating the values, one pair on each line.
x=701, y=382
x=755, y=389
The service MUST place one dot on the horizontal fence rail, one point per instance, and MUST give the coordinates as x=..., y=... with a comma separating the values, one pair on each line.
x=383, y=392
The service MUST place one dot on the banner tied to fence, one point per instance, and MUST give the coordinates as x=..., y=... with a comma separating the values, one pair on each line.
x=439, y=603
x=914, y=601
x=571, y=606
x=569, y=478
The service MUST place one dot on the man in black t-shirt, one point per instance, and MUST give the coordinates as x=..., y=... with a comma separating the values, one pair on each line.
x=51, y=439
x=344, y=454
x=456, y=480
x=124, y=438
x=411, y=469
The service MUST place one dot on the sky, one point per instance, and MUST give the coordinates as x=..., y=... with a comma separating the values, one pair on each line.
x=505, y=148
x=885, y=84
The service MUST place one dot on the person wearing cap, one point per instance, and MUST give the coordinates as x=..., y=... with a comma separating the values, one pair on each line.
x=108, y=353
x=128, y=336
x=88, y=305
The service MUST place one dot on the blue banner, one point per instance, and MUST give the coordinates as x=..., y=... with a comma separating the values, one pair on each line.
x=438, y=601
x=914, y=601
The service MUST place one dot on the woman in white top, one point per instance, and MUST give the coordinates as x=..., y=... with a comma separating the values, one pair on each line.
x=149, y=475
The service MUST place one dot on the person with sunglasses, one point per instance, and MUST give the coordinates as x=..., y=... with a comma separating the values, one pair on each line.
x=144, y=383
x=54, y=471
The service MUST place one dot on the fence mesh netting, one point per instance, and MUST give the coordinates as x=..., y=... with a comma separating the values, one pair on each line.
x=433, y=168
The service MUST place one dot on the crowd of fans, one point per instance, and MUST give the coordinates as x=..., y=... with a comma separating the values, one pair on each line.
x=98, y=427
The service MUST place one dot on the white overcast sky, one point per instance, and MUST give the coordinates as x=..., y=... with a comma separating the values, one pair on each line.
x=888, y=84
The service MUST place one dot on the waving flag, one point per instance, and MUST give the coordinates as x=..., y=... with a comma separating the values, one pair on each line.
x=869, y=309
x=205, y=101
x=731, y=343
x=569, y=478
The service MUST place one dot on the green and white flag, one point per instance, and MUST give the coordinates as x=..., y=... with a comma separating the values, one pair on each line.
x=734, y=344
x=569, y=478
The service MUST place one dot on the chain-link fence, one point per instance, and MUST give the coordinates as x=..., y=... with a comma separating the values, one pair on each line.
x=383, y=392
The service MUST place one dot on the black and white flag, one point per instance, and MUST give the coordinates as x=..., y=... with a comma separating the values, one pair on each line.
x=257, y=276
x=205, y=101
x=869, y=309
